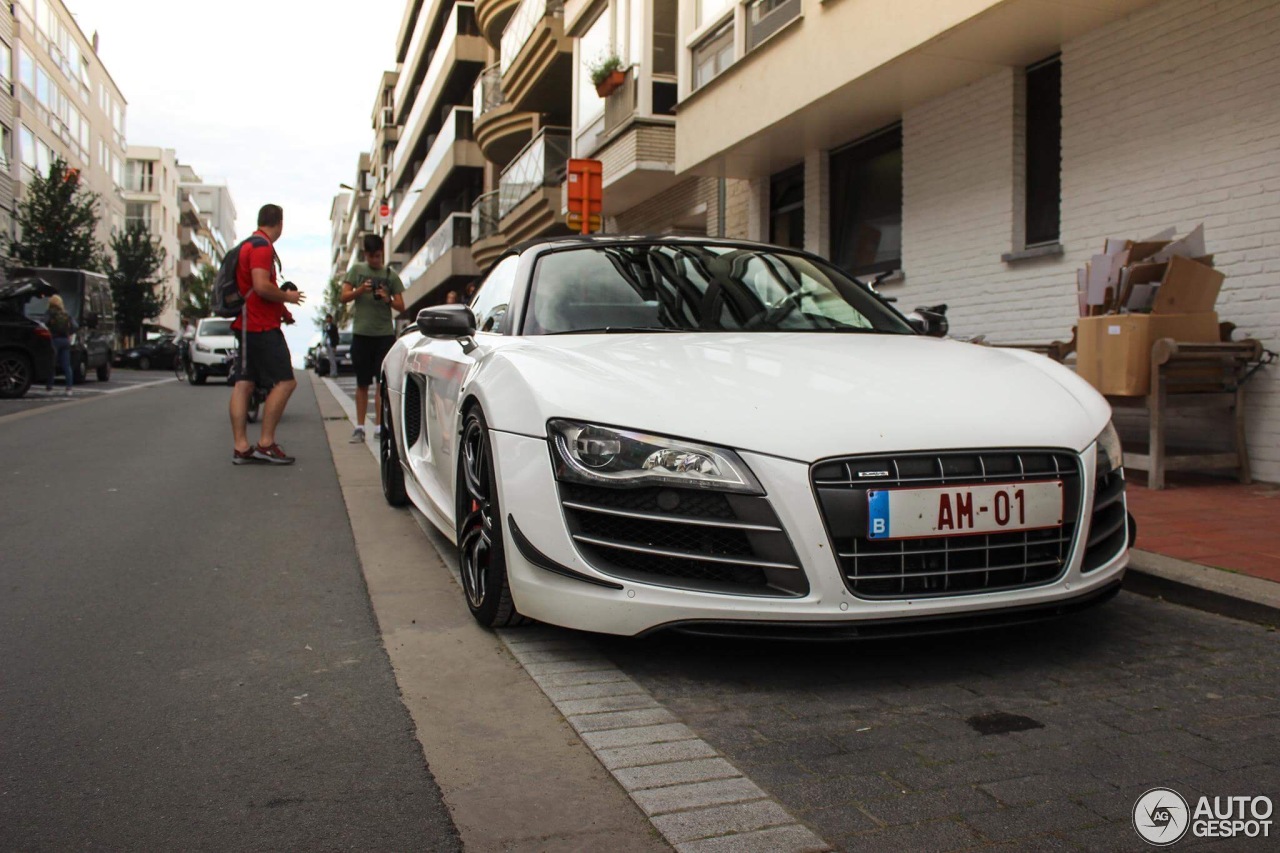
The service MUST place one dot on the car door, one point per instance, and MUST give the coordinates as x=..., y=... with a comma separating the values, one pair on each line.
x=442, y=366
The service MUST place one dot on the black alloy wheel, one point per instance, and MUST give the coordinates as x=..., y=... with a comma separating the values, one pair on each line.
x=144, y=363
x=481, y=559
x=81, y=370
x=15, y=374
x=199, y=377
x=389, y=456
x=104, y=369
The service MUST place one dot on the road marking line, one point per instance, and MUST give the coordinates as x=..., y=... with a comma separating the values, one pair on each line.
x=85, y=395
x=692, y=795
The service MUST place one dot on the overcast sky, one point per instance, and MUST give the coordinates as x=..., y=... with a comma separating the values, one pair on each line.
x=272, y=97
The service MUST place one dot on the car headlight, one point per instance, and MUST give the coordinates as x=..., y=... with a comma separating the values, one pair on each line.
x=1110, y=454
x=605, y=456
x=202, y=348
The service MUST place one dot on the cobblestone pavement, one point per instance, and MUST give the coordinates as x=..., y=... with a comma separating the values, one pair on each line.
x=874, y=745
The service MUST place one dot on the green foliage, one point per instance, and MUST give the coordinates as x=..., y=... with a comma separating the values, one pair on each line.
x=197, y=294
x=333, y=304
x=136, y=275
x=57, y=217
x=603, y=67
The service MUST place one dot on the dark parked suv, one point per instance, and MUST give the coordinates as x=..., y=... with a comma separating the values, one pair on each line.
x=26, y=347
x=87, y=298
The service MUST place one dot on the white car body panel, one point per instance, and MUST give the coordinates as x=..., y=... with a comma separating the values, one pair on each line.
x=782, y=401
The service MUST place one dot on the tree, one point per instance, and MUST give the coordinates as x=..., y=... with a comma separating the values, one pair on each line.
x=197, y=295
x=333, y=304
x=136, y=276
x=57, y=216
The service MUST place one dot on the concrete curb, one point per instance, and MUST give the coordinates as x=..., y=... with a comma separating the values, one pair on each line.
x=1205, y=588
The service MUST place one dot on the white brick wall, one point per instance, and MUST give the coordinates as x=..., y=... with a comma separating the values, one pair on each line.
x=1170, y=117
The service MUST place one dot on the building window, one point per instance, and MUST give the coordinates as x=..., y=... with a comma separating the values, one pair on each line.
x=27, y=147
x=6, y=62
x=26, y=69
x=6, y=147
x=1044, y=152
x=766, y=17
x=713, y=56
x=866, y=204
x=708, y=11
x=786, y=208
x=665, y=23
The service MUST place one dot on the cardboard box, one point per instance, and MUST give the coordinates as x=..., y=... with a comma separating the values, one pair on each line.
x=1113, y=352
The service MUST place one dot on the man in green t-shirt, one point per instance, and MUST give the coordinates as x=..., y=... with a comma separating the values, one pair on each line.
x=376, y=292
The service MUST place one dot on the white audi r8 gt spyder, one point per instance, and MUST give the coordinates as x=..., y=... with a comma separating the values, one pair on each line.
x=629, y=434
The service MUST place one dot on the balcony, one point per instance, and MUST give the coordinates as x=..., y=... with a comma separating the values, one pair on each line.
x=537, y=58
x=452, y=148
x=487, y=242
x=492, y=16
x=443, y=260
x=501, y=131
x=458, y=44
x=529, y=189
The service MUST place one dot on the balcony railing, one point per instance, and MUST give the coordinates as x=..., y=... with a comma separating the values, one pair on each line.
x=523, y=23
x=139, y=183
x=144, y=221
x=461, y=22
x=457, y=125
x=484, y=215
x=540, y=164
x=454, y=231
x=487, y=93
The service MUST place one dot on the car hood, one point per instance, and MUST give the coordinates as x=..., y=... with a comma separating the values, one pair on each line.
x=799, y=396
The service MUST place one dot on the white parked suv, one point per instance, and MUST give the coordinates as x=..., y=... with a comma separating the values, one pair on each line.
x=209, y=348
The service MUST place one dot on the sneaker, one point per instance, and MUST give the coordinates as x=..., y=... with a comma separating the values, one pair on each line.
x=377, y=431
x=68, y=394
x=273, y=454
x=243, y=457
x=357, y=436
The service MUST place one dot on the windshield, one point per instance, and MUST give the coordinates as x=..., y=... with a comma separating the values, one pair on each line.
x=693, y=287
x=38, y=308
x=213, y=328
x=344, y=338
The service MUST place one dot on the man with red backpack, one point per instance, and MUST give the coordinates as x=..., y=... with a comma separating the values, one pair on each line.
x=264, y=354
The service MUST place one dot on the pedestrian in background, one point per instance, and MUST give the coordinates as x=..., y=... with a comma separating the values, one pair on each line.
x=61, y=327
x=451, y=298
x=331, y=344
x=374, y=292
x=471, y=292
x=264, y=354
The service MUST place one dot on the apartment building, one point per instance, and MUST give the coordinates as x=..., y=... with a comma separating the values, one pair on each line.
x=8, y=170
x=66, y=105
x=631, y=128
x=215, y=209
x=436, y=170
x=358, y=217
x=339, y=259
x=151, y=200
x=974, y=152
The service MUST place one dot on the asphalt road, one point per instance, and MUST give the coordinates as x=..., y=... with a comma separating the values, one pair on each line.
x=189, y=656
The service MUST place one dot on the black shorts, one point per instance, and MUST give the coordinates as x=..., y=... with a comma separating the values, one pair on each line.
x=264, y=358
x=367, y=353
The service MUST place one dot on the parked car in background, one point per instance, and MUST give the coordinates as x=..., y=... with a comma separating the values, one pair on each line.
x=625, y=435
x=209, y=346
x=156, y=353
x=342, y=351
x=26, y=347
x=87, y=298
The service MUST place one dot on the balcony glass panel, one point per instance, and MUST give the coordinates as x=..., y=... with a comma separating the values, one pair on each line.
x=484, y=215
x=454, y=231
x=457, y=125
x=540, y=164
x=523, y=23
x=487, y=93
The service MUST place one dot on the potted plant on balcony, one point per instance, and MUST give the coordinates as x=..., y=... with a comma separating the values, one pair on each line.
x=607, y=74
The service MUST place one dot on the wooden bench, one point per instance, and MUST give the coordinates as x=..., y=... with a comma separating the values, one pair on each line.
x=1192, y=376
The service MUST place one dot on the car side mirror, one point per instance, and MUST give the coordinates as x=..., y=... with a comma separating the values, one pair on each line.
x=447, y=321
x=931, y=323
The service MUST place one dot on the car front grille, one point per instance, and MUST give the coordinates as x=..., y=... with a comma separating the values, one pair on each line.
x=946, y=565
x=1108, y=526
x=686, y=538
x=412, y=412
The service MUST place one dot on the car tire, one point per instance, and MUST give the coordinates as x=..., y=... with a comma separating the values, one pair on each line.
x=144, y=363
x=481, y=558
x=15, y=374
x=322, y=368
x=80, y=371
x=389, y=458
x=104, y=370
x=200, y=377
